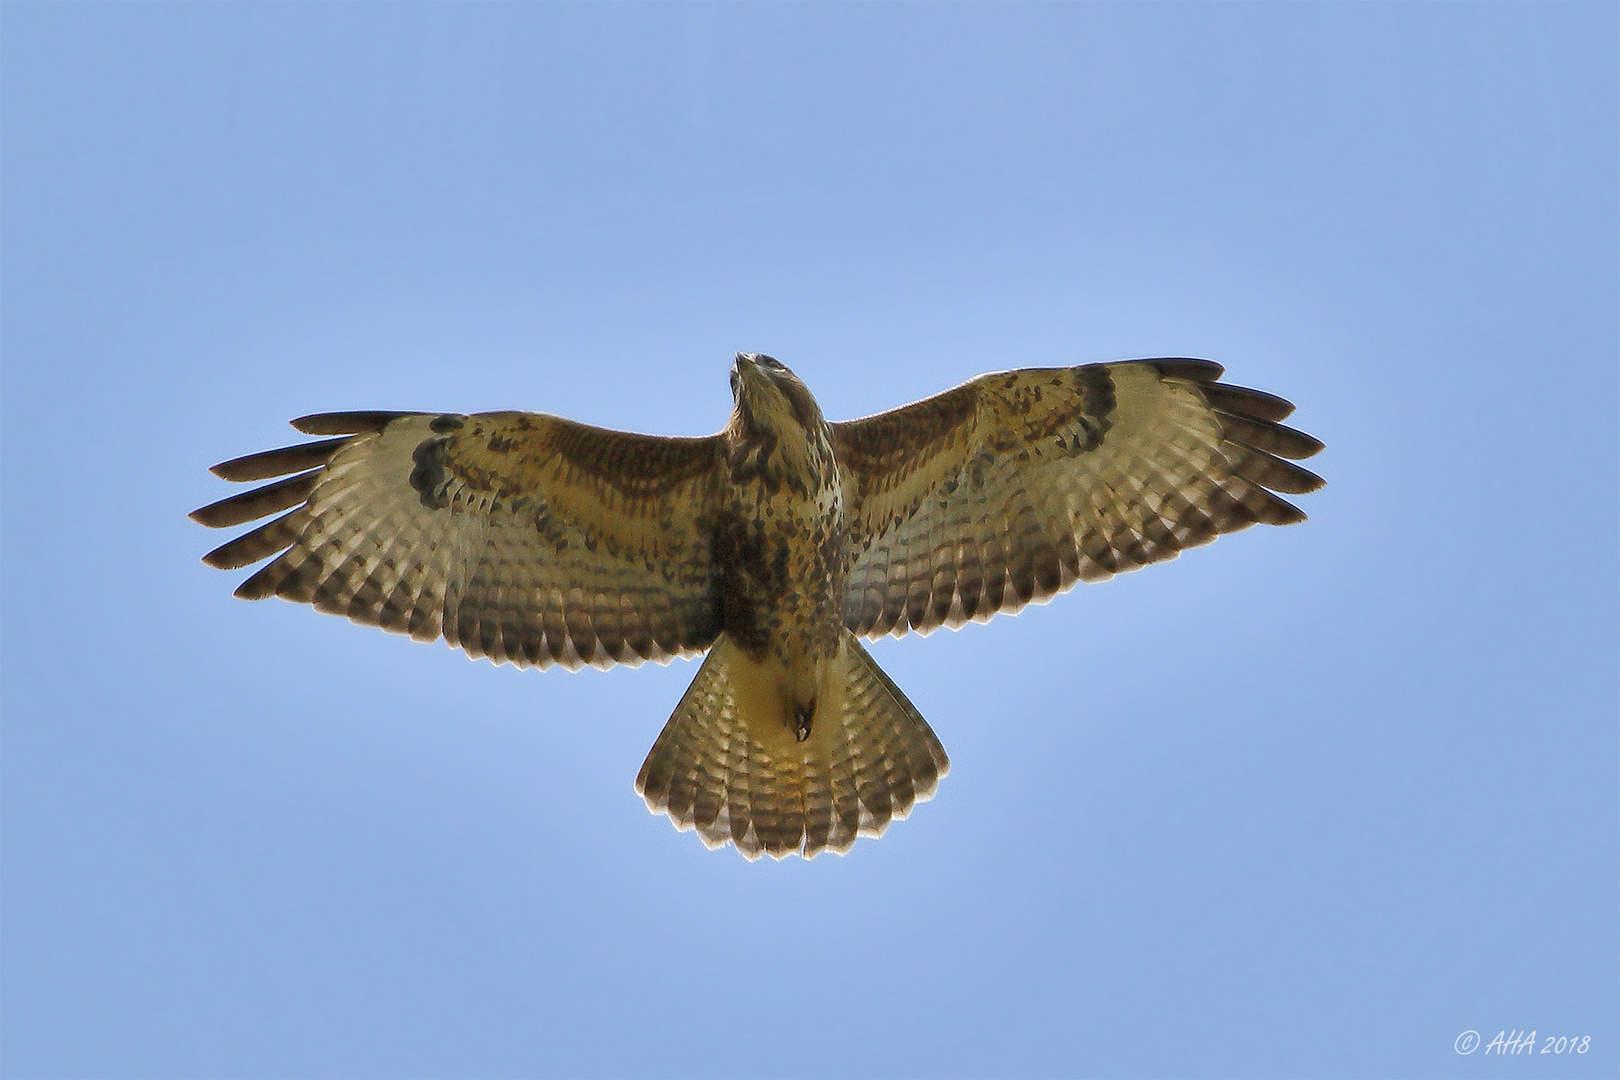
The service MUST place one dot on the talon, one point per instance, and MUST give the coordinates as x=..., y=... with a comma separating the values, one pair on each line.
x=802, y=716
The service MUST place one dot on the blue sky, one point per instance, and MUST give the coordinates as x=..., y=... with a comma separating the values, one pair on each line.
x=1308, y=802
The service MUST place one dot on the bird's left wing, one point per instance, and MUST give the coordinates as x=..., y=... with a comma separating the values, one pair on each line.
x=515, y=536
x=1013, y=486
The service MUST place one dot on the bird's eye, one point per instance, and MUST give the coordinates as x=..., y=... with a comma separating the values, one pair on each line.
x=733, y=384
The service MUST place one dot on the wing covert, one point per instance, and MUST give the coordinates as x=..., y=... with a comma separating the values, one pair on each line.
x=1013, y=486
x=515, y=536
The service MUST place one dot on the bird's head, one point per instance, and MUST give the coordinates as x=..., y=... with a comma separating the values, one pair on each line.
x=770, y=397
x=776, y=425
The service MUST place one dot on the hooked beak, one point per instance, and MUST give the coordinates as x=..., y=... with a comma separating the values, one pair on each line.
x=744, y=369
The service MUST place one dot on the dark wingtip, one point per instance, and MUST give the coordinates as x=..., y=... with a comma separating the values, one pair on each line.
x=280, y=462
x=258, y=503
x=1309, y=445
x=1188, y=367
x=1310, y=481
x=346, y=423
x=1255, y=404
x=257, y=587
x=1285, y=513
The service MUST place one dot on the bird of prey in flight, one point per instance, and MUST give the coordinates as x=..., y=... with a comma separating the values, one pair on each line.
x=775, y=546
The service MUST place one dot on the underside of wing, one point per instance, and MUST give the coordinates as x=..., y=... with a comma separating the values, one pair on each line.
x=1014, y=486
x=514, y=536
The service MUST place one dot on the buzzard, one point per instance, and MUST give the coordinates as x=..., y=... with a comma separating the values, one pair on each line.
x=775, y=546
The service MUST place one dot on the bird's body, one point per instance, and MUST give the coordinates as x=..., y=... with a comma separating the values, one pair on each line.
x=773, y=545
x=781, y=541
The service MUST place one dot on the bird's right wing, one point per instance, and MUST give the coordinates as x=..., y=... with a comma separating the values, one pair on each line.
x=515, y=536
x=1013, y=486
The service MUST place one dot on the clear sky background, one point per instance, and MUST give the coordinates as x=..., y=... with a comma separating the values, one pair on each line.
x=1308, y=802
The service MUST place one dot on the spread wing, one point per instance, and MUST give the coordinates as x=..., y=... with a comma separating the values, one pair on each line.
x=1011, y=487
x=515, y=536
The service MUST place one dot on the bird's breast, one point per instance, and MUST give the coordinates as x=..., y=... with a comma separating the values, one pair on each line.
x=779, y=551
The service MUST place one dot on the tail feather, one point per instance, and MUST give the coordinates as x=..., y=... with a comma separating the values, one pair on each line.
x=729, y=766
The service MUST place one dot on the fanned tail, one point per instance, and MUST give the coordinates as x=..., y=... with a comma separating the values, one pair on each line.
x=728, y=765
